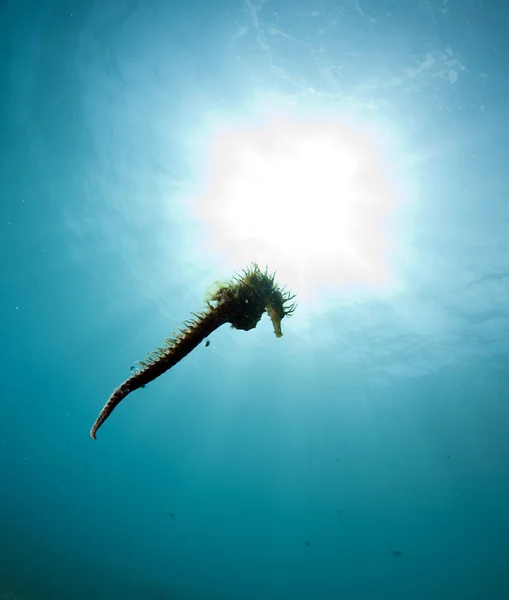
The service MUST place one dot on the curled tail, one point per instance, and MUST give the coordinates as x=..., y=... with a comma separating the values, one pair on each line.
x=161, y=360
x=118, y=395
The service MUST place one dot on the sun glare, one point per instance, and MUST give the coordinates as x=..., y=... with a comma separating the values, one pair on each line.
x=308, y=197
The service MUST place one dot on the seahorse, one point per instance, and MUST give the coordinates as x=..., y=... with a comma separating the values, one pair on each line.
x=240, y=302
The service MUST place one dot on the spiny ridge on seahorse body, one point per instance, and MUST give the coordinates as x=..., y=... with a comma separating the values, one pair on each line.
x=240, y=303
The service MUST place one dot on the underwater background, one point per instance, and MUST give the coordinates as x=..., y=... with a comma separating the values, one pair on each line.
x=356, y=148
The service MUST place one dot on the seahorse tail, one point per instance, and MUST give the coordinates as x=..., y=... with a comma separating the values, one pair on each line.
x=114, y=400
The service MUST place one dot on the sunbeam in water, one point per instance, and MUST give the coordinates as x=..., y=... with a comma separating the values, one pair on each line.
x=313, y=197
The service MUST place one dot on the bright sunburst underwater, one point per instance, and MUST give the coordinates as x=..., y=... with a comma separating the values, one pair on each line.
x=312, y=198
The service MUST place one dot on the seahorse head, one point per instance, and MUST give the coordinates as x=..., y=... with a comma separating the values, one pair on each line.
x=248, y=296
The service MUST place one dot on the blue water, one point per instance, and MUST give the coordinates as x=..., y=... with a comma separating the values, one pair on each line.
x=362, y=455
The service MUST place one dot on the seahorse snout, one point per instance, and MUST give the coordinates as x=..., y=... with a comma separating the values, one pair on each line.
x=275, y=317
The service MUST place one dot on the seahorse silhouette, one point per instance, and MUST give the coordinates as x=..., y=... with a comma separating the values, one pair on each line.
x=240, y=303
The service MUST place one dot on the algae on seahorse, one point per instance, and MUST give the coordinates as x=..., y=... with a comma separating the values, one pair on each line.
x=240, y=303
